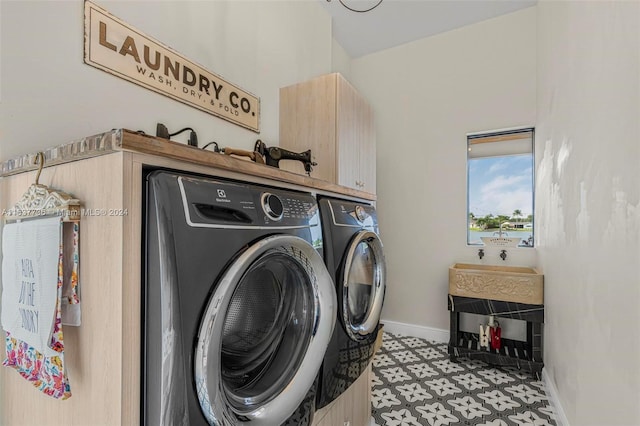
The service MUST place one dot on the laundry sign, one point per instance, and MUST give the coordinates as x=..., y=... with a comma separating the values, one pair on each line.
x=119, y=49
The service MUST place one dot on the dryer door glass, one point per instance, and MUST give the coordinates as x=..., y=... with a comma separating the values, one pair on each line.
x=363, y=284
x=264, y=333
x=361, y=281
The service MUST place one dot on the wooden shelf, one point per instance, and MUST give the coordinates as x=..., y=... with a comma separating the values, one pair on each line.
x=127, y=140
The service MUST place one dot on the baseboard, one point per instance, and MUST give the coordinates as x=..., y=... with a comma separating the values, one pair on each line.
x=552, y=393
x=429, y=333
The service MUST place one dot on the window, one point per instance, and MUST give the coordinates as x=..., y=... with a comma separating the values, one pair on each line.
x=500, y=186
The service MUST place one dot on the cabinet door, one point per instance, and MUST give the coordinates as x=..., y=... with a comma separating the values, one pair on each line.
x=355, y=139
x=367, y=152
x=308, y=121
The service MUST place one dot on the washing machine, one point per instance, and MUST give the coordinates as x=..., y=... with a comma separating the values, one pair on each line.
x=239, y=307
x=355, y=258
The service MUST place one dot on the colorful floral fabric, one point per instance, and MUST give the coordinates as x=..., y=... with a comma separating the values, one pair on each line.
x=72, y=292
x=71, y=310
x=45, y=372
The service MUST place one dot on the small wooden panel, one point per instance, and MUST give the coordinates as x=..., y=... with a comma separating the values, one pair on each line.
x=353, y=406
x=131, y=289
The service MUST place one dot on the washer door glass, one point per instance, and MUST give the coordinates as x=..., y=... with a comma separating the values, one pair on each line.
x=264, y=333
x=363, y=284
x=266, y=330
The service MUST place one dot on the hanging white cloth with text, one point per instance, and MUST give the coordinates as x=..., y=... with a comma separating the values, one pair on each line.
x=31, y=252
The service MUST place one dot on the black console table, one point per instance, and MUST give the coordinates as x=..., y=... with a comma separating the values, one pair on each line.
x=512, y=353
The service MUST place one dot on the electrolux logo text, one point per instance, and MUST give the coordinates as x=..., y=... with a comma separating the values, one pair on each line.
x=222, y=197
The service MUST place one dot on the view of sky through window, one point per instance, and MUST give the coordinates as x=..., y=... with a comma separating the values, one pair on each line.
x=501, y=185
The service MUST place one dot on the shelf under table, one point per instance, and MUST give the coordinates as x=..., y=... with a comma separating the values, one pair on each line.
x=526, y=356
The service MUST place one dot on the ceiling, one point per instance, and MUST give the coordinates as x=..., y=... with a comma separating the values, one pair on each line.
x=395, y=22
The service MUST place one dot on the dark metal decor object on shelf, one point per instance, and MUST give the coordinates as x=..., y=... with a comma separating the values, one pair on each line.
x=163, y=132
x=274, y=154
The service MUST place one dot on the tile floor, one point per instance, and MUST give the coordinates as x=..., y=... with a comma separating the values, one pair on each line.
x=414, y=383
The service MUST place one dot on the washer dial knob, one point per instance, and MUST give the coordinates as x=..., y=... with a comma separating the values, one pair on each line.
x=272, y=206
x=361, y=214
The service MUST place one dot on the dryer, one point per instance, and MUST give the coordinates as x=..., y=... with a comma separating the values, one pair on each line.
x=355, y=258
x=238, y=305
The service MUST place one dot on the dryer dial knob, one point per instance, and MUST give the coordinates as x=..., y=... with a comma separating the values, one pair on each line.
x=272, y=206
x=361, y=214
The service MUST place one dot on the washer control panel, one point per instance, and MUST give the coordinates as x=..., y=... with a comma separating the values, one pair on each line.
x=209, y=202
x=299, y=208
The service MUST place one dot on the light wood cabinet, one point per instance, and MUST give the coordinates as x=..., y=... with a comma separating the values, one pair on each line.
x=103, y=355
x=328, y=116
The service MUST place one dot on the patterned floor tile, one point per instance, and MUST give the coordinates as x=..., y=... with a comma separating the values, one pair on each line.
x=415, y=383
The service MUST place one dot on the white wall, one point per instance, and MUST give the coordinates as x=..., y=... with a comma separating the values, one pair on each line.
x=427, y=95
x=588, y=206
x=340, y=60
x=48, y=96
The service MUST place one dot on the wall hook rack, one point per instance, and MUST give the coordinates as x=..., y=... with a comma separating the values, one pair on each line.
x=39, y=200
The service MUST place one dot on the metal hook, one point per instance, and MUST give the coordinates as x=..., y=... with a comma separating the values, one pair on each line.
x=40, y=156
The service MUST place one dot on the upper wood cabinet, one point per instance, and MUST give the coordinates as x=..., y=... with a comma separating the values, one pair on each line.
x=328, y=116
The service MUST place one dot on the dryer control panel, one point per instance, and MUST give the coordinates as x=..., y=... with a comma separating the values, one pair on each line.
x=213, y=203
x=357, y=215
